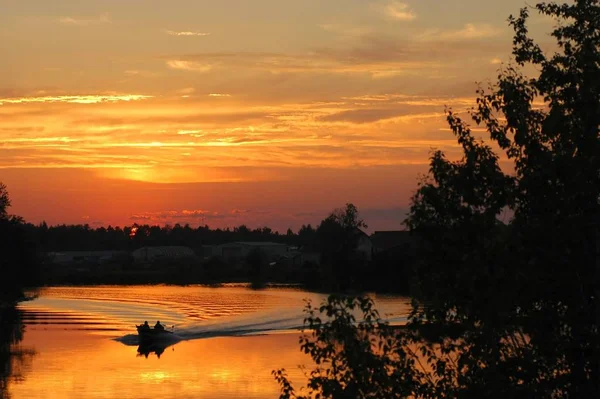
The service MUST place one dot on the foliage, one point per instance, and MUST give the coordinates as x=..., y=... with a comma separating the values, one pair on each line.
x=526, y=294
x=509, y=310
x=19, y=259
x=337, y=239
x=356, y=354
x=4, y=201
x=258, y=263
x=87, y=238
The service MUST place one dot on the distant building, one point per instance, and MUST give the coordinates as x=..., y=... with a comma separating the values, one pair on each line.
x=291, y=259
x=154, y=254
x=385, y=241
x=237, y=251
x=208, y=251
x=364, y=244
x=311, y=256
x=85, y=257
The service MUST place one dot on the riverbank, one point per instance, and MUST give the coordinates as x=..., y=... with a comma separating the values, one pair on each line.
x=210, y=274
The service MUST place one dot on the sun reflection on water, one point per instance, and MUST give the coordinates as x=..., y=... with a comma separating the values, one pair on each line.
x=73, y=330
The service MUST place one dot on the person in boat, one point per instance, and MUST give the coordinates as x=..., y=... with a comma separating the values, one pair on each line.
x=145, y=326
x=159, y=326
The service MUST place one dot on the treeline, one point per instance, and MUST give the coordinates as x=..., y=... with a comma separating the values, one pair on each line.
x=19, y=255
x=329, y=257
x=85, y=238
x=335, y=262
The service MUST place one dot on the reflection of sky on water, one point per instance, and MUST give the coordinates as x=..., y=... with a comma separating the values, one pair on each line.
x=70, y=327
x=193, y=311
x=76, y=364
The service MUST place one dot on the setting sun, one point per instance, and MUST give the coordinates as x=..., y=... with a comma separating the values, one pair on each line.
x=192, y=104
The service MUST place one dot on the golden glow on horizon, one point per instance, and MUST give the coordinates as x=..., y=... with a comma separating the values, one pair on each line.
x=151, y=142
x=309, y=94
x=77, y=99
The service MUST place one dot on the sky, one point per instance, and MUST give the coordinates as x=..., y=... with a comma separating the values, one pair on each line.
x=263, y=112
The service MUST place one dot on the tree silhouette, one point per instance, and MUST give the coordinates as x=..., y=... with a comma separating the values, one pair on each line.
x=19, y=258
x=527, y=293
x=4, y=201
x=500, y=310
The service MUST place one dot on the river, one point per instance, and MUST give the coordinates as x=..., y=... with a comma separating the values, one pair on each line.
x=80, y=342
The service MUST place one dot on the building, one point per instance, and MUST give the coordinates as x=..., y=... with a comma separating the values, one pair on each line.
x=392, y=240
x=364, y=245
x=208, y=251
x=85, y=257
x=238, y=251
x=155, y=254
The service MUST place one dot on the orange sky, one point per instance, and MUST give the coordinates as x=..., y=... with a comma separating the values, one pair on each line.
x=264, y=112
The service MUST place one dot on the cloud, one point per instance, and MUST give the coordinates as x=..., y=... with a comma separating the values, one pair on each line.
x=78, y=99
x=186, y=33
x=140, y=73
x=240, y=211
x=468, y=32
x=191, y=216
x=189, y=66
x=219, y=95
x=79, y=21
x=346, y=30
x=376, y=60
x=388, y=218
x=398, y=11
x=198, y=217
x=363, y=115
x=186, y=90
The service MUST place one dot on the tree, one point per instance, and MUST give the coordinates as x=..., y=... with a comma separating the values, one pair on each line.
x=337, y=239
x=258, y=263
x=534, y=283
x=18, y=254
x=347, y=218
x=355, y=357
x=509, y=310
x=4, y=201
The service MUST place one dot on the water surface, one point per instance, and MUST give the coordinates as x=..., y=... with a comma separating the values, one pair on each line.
x=228, y=339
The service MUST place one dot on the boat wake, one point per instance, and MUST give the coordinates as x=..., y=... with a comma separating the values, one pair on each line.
x=238, y=327
x=290, y=322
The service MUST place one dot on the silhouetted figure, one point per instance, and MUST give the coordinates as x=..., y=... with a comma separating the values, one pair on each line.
x=158, y=326
x=146, y=326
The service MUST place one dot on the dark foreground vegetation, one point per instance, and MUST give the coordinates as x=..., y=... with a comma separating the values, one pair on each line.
x=500, y=311
x=19, y=266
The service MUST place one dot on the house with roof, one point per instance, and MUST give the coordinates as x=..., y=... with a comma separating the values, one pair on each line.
x=237, y=251
x=165, y=253
x=364, y=244
x=84, y=257
x=390, y=241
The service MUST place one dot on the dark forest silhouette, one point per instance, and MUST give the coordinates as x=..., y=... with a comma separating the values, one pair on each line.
x=32, y=251
x=85, y=238
x=19, y=265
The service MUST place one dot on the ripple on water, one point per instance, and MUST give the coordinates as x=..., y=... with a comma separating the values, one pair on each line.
x=194, y=311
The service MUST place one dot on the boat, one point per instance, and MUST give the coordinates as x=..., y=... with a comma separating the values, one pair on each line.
x=153, y=334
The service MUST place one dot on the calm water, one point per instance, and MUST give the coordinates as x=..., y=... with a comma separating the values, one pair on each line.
x=81, y=341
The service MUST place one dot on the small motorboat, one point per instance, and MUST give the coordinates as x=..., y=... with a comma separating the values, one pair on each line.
x=148, y=334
